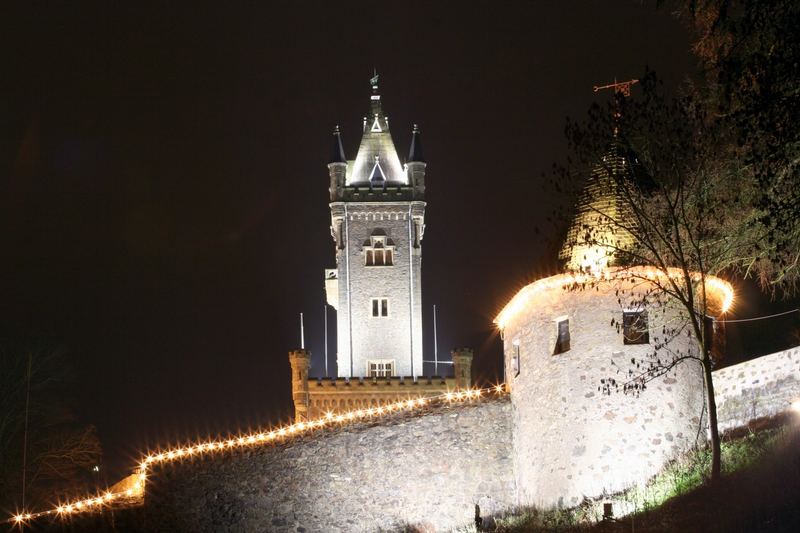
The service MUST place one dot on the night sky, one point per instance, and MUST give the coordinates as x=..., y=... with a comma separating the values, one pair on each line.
x=163, y=181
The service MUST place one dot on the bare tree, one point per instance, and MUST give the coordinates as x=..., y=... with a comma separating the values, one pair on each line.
x=54, y=457
x=659, y=197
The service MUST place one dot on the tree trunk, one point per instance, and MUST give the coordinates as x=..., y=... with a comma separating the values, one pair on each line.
x=711, y=402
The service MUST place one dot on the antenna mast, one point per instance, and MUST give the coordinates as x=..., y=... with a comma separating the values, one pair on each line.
x=302, y=334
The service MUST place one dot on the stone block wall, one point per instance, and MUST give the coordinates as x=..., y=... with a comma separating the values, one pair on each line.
x=759, y=388
x=427, y=469
x=570, y=439
x=398, y=336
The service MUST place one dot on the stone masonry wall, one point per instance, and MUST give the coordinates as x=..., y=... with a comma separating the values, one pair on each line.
x=380, y=337
x=759, y=388
x=570, y=439
x=426, y=469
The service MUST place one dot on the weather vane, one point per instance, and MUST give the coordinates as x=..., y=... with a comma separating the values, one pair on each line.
x=623, y=87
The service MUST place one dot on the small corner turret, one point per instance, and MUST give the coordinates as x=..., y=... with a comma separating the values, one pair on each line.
x=337, y=167
x=415, y=168
x=300, y=363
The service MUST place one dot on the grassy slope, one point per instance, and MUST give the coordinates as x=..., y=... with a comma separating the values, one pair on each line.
x=760, y=491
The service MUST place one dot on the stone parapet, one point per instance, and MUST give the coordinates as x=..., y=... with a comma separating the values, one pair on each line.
x=340, y=394
x=392, y=193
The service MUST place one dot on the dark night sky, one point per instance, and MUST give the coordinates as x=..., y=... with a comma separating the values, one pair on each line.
x=163, y=189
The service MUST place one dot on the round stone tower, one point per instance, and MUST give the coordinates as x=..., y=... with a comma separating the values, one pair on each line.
x=564, y=337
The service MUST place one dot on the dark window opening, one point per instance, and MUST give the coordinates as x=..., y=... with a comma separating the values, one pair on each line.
x=562, y=341
x=634, y=327
x=380, y=307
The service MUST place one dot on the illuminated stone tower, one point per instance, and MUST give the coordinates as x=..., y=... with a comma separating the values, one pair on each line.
x=377, y=224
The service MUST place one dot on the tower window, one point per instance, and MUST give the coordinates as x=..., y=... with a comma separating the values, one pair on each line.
x=380, y=307
x=379, y=251
x=562, y=336
x=634, y=327
x=380, y=368
x=379, y=257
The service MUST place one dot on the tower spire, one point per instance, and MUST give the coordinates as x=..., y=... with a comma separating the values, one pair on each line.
x=415, y=152
x=376, y=141
x=337, y=154
x=376, y=122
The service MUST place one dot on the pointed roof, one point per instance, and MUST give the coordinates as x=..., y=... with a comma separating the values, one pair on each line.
x=376, y=146
x=415, y=152
x=337, y=154
x=592, y=240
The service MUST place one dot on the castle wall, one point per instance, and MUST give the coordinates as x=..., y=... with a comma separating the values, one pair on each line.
x=426, y=469
x=759, y=388
x=570, y=439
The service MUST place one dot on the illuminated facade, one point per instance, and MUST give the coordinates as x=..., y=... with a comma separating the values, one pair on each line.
x=377, y=224
x=571, y=440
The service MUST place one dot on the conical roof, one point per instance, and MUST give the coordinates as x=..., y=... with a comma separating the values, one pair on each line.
x=596, y=237
x=337, y=153
x=415, y=152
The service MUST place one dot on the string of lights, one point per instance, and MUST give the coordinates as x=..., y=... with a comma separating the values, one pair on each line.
x=134, y=489
x=526, y=295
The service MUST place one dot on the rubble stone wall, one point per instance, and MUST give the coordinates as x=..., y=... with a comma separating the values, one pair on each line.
x=426, y=470
x=759, y=388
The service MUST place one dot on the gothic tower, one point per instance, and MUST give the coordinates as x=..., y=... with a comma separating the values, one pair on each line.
x=377, y=224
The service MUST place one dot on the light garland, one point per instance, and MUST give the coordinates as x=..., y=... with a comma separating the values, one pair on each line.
x=133, y=487
x=521, y=300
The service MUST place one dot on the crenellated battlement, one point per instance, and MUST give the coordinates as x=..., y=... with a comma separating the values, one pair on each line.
x=316, y=397
x=394, y=381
